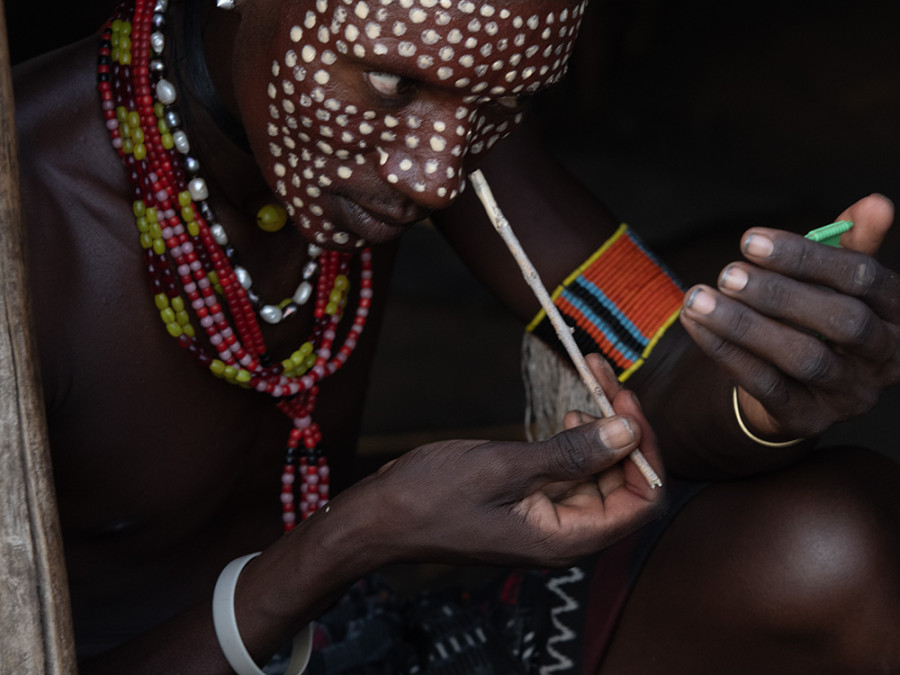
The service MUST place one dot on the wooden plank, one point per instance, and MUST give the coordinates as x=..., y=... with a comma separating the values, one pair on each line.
x=36, y=633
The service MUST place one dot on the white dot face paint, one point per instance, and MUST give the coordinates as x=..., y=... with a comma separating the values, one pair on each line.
x=354, y=147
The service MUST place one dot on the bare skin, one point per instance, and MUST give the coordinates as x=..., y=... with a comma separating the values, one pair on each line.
x=165, y=474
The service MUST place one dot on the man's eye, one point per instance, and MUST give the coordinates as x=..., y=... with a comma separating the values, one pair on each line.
x=509, y=102
x=388, y=84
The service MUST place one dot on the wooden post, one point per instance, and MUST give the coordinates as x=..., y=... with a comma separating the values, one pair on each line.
x=35, y=623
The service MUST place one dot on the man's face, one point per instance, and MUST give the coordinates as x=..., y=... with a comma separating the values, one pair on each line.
x=367, y=112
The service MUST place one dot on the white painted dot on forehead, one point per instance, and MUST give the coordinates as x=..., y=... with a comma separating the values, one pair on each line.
x=276, y=68
x=296, y=34
x=406, y=49
x=310, y=20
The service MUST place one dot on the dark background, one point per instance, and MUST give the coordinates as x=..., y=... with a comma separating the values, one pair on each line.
x=692, y=119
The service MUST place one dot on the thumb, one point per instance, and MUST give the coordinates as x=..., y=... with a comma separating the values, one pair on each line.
x=589, y=448
x=872, y=217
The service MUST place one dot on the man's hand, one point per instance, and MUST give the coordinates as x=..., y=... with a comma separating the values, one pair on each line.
x=810, y=333
x=545, y=503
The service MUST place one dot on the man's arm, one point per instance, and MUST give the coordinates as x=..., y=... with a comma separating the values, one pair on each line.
x=687, y=382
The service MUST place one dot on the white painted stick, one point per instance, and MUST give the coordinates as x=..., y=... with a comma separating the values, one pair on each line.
x=563, y=331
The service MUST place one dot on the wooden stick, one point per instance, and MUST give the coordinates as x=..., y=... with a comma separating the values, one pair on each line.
x=563, y=331
x=35, y=623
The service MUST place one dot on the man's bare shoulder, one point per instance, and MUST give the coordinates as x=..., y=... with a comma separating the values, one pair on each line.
x=74, y=196
x=64, y=149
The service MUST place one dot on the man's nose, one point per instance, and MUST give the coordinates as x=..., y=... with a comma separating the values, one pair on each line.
x=427, y=166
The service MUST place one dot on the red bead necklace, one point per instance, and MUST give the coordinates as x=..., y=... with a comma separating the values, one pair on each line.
x=189, y=271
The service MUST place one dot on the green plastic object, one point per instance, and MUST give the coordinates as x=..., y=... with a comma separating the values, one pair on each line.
x=830, y=235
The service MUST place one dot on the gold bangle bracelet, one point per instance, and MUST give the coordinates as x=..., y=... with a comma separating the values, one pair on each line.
x=750, y=435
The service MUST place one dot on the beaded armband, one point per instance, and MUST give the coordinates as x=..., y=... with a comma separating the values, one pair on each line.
x=618, y=303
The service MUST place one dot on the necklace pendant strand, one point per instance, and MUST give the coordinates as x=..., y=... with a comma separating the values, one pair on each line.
x=191, y=266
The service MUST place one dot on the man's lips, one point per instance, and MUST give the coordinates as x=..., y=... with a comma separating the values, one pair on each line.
x=377, y=225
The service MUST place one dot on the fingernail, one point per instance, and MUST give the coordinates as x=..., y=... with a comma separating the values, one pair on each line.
x=733, y=278
x=701, y=301
x=758, y=246
x=616, y=433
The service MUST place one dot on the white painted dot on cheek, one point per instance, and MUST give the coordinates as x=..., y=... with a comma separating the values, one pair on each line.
x=344, y=172
x=296, y=34
x=321, y=77
x=437, y=143
x=406, y=165
x=418, y=15
x=308, y=53
x=361, y=10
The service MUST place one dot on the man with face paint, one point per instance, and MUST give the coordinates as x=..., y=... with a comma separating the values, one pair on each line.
x=336, y=125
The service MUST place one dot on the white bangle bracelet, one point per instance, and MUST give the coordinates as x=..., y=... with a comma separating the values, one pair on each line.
x=230, y=637
x=753, y=437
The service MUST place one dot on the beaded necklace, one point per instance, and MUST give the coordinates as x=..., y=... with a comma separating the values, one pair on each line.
x=189, y=270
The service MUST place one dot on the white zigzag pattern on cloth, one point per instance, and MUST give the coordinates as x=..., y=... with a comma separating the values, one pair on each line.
x=564, y=634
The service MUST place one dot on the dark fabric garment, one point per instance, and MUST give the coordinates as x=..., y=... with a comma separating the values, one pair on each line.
x=526, y=622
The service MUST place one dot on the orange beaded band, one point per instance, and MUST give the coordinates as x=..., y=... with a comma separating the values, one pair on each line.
x=619, y=303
